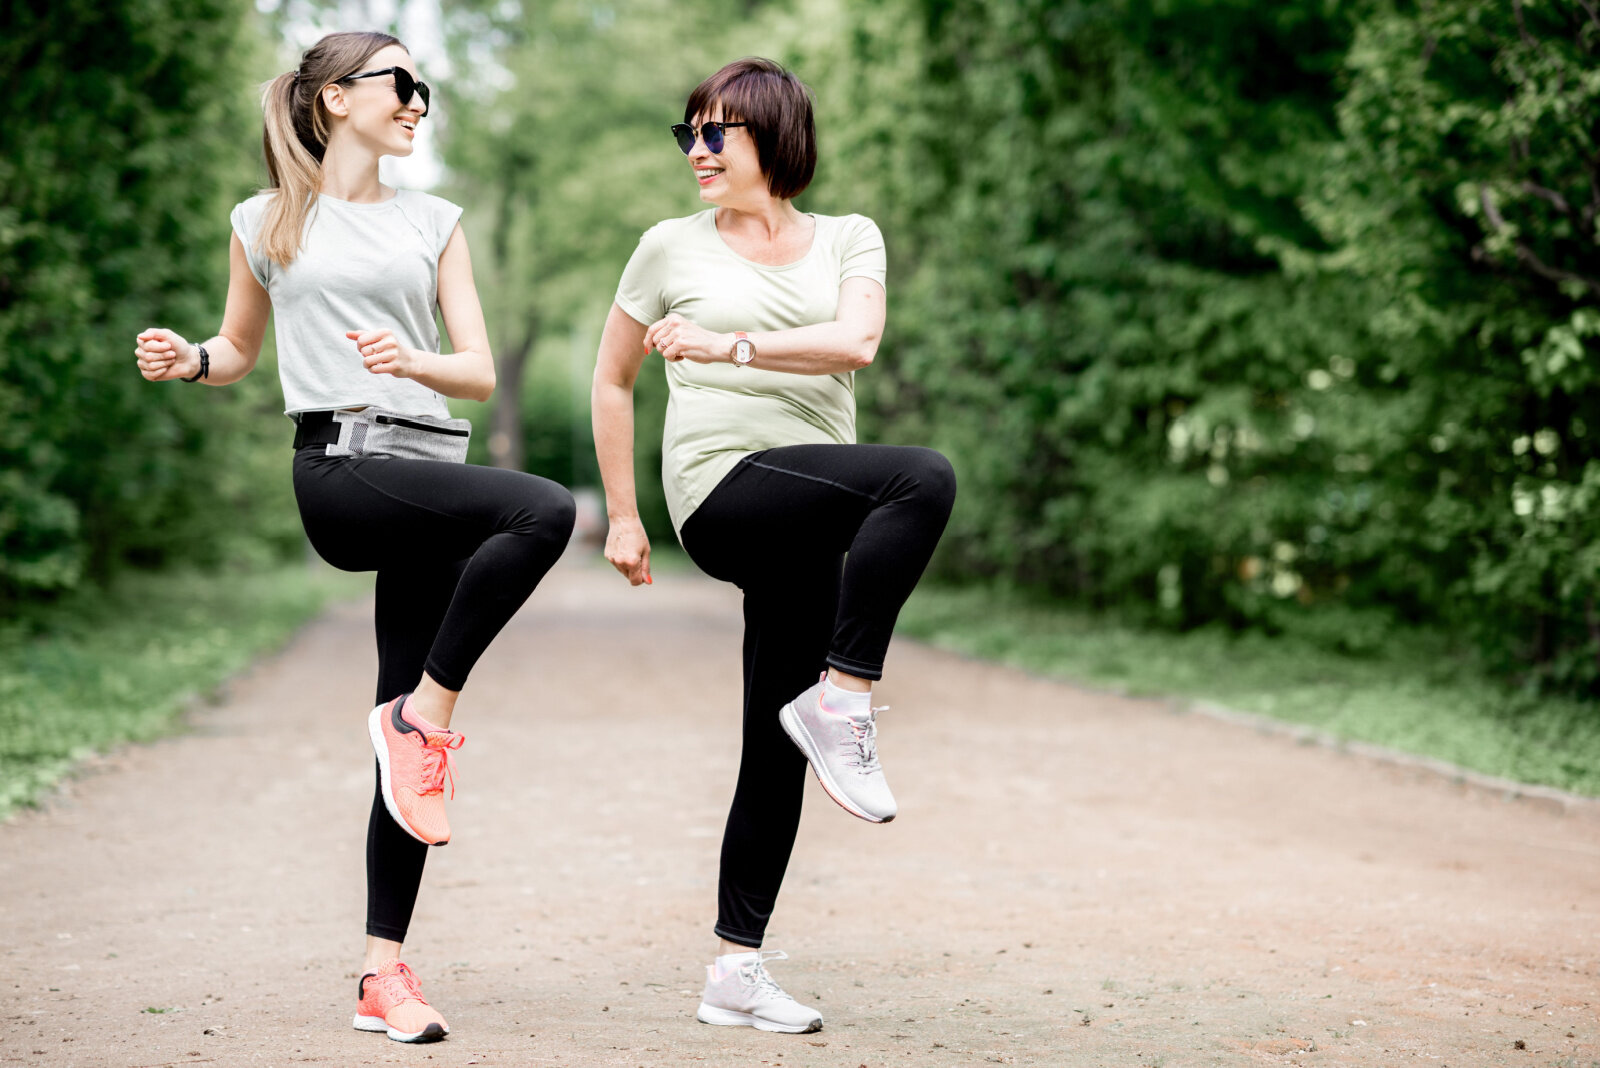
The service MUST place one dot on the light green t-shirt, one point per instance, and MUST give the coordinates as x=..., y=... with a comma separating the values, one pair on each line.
x=719, y=413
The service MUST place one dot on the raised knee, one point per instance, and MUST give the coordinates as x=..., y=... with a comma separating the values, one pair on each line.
x=936, y=479
x=547, y=512
x=563, y=513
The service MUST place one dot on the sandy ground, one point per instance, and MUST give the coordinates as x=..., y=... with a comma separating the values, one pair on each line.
x=1074, y=879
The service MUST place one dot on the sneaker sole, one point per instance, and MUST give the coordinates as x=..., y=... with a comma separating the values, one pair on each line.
x=710, y=1014
x=432, y=1033
x=381, y=748
x=789, y=719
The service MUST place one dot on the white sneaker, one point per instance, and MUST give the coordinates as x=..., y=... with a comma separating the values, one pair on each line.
x=746, y=996
x=843, y=751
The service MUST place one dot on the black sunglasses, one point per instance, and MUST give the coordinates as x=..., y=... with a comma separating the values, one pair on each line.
x=404, y=84
x=711, y=132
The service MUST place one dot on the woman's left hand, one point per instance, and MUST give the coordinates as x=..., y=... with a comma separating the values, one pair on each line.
x=676, y=338
x=382, y=353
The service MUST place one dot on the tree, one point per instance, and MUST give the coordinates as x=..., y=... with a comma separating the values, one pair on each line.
x=117, y=167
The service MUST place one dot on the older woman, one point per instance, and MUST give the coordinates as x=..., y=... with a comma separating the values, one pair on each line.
x=763, y=313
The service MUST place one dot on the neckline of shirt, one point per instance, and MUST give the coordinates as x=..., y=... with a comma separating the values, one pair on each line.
x=377, y=205
x=816, y=233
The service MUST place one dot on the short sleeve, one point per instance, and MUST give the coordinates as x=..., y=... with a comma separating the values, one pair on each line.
x=433, y=217
x=246, y=219
x=445, y=215
x=861, y=253
x=641, y=291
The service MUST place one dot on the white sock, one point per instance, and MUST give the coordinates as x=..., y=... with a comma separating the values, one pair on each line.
x=845, y=702
x=729, y=963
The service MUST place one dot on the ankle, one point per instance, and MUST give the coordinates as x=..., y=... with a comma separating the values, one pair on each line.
x=852, y=683
x=433, y=702
x=428, y=713
x=845, y=702
x=380, y=951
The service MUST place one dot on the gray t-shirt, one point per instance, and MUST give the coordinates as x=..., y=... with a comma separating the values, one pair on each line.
x=718, y=413
x=361, y=267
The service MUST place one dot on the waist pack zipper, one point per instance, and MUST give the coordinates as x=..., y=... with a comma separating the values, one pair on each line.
x=389, y=420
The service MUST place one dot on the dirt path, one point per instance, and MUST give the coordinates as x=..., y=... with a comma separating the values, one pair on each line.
x=1075, y=879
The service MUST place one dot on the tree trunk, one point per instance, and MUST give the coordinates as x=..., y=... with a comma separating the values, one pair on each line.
x=505, y=419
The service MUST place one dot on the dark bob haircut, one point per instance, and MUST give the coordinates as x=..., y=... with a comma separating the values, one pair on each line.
x=777, y=105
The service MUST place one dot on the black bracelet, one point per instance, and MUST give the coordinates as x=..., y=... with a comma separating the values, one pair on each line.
x=205, y=365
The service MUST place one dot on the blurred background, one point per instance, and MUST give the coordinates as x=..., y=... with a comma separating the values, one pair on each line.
x=1274, y=318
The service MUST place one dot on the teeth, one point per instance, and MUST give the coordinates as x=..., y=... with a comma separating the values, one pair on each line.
x=706, y=173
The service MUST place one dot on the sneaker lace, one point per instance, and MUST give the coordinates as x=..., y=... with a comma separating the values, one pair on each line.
x=755, y=974
x=864, y=739
x=436, y=763
x=401, y=984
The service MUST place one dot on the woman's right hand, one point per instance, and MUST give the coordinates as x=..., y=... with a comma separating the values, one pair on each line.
x=163, y=356
x=628, y=549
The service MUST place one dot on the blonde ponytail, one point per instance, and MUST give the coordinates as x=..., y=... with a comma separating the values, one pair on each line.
x=295, y=135
x=292, y=172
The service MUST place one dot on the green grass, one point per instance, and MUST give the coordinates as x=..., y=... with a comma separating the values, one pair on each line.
x=105, y=667
x=1414, y=694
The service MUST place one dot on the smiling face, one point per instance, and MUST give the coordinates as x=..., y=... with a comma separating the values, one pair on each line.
x=369, y=109
x=732, y=177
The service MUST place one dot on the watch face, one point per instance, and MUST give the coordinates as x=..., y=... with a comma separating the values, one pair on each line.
x=743, y=351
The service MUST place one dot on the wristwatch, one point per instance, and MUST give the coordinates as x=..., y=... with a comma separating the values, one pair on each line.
x=744, y=350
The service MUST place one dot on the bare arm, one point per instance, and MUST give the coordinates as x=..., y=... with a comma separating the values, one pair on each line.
x=468, y=372
x=848, y=343
x=165, y=356
x=622, y=350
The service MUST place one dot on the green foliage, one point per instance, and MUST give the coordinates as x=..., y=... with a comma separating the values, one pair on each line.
x=1475, y=217
x=1280, y=316
x=1086, y=312
x=106, y=666
x=122, y=156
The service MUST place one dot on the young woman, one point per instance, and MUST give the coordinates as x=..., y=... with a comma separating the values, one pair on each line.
x=354, y=271
x=763, y=313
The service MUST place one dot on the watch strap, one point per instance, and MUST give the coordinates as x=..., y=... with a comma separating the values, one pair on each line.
x=205, y=365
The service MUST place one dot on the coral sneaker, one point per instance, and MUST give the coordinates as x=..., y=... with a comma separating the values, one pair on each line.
x=413, y=763
x=392, y=1001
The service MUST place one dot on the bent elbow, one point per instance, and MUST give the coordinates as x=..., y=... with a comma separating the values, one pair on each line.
x=864, y=354
x=486, y=387
x=247, y=353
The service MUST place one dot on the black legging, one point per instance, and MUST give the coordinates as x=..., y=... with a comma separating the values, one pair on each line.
x=779, y=527
x=457, y=549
